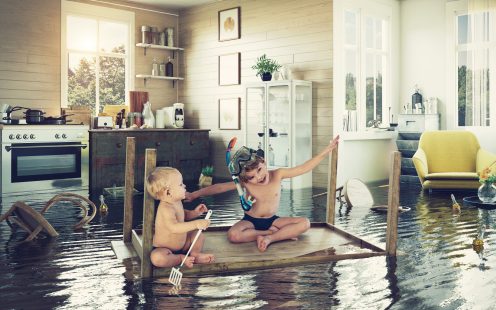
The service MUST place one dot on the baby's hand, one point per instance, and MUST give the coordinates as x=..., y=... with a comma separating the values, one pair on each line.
x=202, y=224
x=200, y=209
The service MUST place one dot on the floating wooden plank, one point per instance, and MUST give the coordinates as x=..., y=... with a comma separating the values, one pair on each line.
x=321, y=243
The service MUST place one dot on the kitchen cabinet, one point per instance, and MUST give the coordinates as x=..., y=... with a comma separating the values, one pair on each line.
x=418, y=123
x=146, y=77
x=279, y=120
x=185, y=149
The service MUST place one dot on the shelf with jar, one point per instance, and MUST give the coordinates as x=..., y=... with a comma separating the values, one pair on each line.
x=160, y=47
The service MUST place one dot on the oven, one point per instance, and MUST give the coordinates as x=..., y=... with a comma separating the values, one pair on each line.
x=43, y=157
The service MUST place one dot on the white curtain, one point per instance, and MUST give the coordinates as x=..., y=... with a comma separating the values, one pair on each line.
x=482, y=28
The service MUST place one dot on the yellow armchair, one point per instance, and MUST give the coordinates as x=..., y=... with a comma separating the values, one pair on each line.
x=450, y=160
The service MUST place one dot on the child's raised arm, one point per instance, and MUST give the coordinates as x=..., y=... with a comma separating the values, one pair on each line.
x=210, y=190
x=309, y=164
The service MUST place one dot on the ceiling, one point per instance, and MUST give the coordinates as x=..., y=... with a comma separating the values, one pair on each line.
x=173, y=4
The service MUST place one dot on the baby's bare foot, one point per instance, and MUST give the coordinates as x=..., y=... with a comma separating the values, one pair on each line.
x=204, y=258
x=189, y=261
x=263, y=242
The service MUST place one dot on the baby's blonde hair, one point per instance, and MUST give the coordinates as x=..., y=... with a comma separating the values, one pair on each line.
x=159, y=180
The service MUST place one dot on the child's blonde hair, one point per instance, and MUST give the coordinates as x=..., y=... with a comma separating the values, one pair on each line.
x=159, y=180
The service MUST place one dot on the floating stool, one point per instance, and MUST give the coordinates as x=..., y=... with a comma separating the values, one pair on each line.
x=34, y=222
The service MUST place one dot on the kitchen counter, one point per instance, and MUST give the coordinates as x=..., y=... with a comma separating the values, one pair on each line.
x=187, y=150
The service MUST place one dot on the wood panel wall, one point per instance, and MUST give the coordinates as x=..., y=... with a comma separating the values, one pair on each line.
x=30, y=54
x=295, y=33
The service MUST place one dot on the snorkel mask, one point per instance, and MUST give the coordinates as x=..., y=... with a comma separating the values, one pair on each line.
x=235, y=165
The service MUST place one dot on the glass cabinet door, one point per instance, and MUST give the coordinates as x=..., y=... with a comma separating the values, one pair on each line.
x=255, y=117
x=279, y=122
x=303, y=124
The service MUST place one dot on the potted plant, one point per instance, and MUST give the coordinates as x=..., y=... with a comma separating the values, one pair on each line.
x=265, y=67
x=206, y=176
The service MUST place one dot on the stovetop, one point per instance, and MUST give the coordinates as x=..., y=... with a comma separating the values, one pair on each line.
x=43, y=133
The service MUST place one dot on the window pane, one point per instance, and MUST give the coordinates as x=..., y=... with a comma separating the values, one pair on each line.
x=81, y=33
x=378, y=90
x=378, y=34
x=351, y=79
x=350, y=25
x=369, y=32
x=464, y=90
x=113, y=37
x=81, y=80
x=463, y=29
x=112, y=81
x=369, y=88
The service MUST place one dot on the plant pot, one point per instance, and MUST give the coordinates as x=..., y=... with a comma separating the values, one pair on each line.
x=204, y=181
x=267, y=76
x=487, y=193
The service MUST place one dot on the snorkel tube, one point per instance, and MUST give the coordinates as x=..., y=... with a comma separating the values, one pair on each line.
x=246, y=203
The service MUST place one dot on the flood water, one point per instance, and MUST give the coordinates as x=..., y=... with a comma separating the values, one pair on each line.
x=437, y=268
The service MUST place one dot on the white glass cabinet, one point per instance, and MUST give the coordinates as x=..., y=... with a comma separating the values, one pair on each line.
x=279, y=120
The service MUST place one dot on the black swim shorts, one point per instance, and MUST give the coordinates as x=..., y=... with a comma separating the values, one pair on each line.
x=260, y=223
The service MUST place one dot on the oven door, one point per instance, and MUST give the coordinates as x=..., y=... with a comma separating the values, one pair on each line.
x=41, y=164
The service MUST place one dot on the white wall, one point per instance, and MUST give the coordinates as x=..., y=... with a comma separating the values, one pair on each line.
x=423, y=51
x=425, y=60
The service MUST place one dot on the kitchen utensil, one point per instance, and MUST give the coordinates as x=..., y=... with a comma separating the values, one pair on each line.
x=34, y=116
x=4, y=108
x=176, y=275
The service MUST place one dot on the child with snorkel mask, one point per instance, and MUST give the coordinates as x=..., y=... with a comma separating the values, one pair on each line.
x=260, y=192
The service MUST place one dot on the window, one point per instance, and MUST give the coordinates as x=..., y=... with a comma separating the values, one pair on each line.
x=475, y=58
x=362, y=64
x=96, y=55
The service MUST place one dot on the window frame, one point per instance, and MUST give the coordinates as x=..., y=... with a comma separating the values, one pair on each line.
x=101, y=14
x=363, y=8
x=454, y=9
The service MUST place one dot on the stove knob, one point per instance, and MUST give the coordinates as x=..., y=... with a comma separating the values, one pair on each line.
x=57, y=136
x=64, y=136
x=32, y=136
x=11, y=137
x=25, y=136
x=18, y=137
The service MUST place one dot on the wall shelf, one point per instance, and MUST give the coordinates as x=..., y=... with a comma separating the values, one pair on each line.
x=160, y=47
x=157, y=77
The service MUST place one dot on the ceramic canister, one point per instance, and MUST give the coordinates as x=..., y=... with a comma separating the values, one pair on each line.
x=160, y=119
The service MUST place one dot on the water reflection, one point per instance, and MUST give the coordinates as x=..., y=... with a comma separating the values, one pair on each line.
x=438, y=267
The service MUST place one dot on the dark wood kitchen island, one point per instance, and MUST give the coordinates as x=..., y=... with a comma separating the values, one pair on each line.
x=185, y=149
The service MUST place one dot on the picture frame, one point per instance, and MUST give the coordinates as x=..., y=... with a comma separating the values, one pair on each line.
x=230, y=113
x=229, y=69
x=229, y=24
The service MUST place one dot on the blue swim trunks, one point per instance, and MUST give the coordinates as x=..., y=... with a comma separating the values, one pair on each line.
x=260, y=223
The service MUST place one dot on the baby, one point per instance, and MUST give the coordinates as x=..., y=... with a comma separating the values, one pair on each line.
x=173, y=236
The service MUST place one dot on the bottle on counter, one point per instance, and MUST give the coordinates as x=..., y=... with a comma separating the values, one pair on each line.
x=162, y=68
x=417, y=100
x=169, y=68
x=155, y=69
x=271, y=156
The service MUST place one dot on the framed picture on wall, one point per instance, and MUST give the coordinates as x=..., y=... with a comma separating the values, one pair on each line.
x=229, y=24
x=229, y=69
x=230, y=113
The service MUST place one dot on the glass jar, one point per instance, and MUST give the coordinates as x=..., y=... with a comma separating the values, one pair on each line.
x=487, y=193
x=145, y=34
